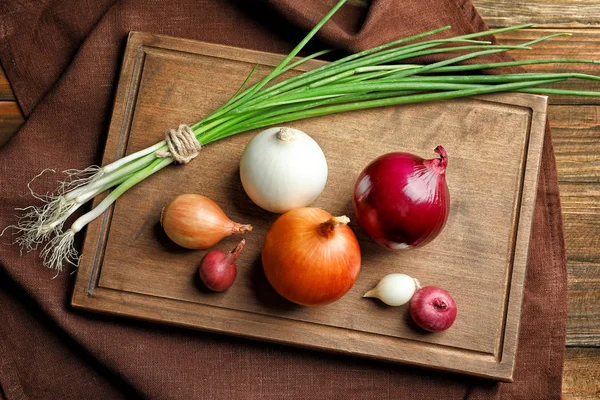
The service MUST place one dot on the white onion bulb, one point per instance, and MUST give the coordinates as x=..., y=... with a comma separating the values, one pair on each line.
x=282, y=169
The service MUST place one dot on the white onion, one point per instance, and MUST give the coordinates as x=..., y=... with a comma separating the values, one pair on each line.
x=282, y=169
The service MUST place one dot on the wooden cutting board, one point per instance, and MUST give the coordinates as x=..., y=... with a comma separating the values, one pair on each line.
x=494, y=143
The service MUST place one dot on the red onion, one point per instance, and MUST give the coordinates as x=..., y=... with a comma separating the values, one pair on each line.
x=401, y=200
x=217, y=268
x=433, y=309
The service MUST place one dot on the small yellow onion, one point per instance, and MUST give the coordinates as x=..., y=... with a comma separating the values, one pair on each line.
x=196, y=222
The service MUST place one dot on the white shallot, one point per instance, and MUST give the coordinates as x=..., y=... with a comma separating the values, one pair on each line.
x=394, y=289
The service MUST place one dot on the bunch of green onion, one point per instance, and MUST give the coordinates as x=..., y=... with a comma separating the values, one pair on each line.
x=372, y=78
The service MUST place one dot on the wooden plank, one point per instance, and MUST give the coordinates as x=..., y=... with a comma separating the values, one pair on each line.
x=581, y=214
x=583, y=322
x=482, y=247
x=576, y=137
x=581, y=217
x=543, y=13
x=11, y=120
x=580, y=199
x=581, y=374
x=584, y=44
x=6, y=93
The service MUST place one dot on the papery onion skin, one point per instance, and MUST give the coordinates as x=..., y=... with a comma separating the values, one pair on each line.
x=401, y=200
x=196, y=222
x=306, y=261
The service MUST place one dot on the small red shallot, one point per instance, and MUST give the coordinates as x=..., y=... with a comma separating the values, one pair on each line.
x=433, y=309
x=218, y=270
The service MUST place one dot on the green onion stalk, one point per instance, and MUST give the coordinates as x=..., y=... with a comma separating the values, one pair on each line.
x=377, y=77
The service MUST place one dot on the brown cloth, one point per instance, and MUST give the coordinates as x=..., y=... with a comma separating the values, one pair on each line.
x=62, y=58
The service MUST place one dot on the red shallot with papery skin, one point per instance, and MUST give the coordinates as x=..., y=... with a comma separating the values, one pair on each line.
x=218, y=270
x=433, y=309
x=401, y=200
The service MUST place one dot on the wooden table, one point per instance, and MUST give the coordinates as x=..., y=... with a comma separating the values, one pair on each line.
x=576, y=133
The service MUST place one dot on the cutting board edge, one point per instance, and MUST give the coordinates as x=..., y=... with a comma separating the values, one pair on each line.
x=124, y=304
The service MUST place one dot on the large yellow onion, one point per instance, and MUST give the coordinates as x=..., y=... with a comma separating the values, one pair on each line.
x=311, y=257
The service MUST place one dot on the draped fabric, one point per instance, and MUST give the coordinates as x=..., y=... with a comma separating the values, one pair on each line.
x=62, y=58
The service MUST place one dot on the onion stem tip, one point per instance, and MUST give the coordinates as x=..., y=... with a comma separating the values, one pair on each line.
x=417, y=284
x=238, y=249
x=286, y=134
x=162, y=215
x=328, y=226
x=241, y=228
x=335, y=221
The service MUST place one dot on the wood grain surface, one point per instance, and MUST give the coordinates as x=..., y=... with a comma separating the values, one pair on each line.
x=542, y=13
x=580, y=191
x=11, y=118
x=581, y=375
x=6, y=93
